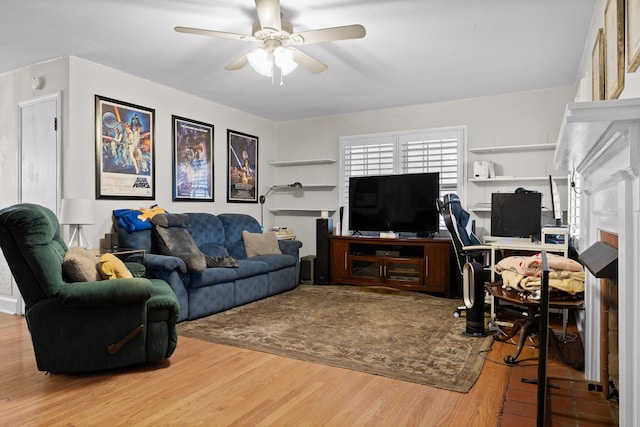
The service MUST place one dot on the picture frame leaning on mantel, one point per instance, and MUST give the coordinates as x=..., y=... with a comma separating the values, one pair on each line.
x=614, y=48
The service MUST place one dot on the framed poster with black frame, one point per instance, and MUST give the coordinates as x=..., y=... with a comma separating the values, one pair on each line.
x=192, y=160
x=125, y=143
x=242, y=161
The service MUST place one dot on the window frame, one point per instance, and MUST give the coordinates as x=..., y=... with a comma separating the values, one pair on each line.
x=397, y=139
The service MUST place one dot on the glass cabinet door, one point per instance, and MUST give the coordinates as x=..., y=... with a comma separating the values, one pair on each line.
x=366, y=267
x=408, y=271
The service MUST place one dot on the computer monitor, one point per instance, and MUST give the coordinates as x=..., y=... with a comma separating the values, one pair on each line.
x=516, y=214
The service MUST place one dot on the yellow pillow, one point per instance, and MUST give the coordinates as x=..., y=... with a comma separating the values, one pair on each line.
x=112, y=267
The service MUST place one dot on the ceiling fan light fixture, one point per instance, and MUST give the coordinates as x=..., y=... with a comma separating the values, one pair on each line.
x=284, y=60
x=260, y=60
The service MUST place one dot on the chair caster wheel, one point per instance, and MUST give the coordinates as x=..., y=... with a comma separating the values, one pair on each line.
x=456, y=314
x=510, y=360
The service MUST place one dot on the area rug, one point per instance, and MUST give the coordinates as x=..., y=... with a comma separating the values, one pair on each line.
x=398, y=334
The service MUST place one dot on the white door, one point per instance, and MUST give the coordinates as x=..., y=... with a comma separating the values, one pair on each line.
x=40, y=169
x=40, y=152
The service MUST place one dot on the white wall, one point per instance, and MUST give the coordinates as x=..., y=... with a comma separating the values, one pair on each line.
x=583, y=87
x=78, y=81
x=510, y=119
x=88, y=79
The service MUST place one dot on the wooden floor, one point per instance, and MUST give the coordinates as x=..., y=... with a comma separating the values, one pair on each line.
x=210, y=384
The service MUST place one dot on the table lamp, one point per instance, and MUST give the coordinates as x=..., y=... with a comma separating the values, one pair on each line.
x=76, y=213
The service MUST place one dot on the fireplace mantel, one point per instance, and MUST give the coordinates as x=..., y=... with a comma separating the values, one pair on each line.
x=601, y=142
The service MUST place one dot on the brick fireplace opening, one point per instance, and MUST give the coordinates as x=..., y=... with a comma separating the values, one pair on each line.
x=609, y=350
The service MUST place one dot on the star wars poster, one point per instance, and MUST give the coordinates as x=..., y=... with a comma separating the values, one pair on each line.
x=243, y=164
x=125, y=143
x=192, y=160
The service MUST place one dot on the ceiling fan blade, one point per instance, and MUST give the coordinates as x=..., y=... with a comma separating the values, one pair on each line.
x=213, y=33
x=329, y=34
x=308, y=62
x=269, y=14
x=237, y=64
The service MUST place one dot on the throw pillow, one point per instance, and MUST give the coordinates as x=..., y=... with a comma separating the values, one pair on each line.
x=80, y=265
x=112, y=267
x=171, y=220
x=173, y=239
x=260, y=243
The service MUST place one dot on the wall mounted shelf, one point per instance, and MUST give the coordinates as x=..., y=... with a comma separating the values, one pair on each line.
x=305, y=187
x=302, y=162
x=300, y=211
x=515, y=178
x=512, y=148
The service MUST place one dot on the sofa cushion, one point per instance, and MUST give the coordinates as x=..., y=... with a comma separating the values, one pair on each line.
x=212, y=276
x=234, y=224
x=276, y=262
x=80, y=265
x=206, y=229
x=176, y=240
x=260, y=243
x=250, y=268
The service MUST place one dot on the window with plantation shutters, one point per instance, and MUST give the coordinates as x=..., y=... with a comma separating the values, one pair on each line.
x=440, y=150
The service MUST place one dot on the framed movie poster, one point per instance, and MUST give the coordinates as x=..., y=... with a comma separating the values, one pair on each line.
x=242, y=167
x=125, y=142
x=614, y=48
x=192, y=160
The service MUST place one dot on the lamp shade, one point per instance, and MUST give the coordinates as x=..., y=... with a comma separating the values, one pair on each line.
x=76, y=211
x=262, y=60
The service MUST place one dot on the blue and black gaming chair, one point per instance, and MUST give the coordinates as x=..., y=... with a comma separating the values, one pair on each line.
x=470, y=254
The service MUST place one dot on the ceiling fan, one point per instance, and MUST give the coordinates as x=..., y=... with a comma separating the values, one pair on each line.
x=277, y=40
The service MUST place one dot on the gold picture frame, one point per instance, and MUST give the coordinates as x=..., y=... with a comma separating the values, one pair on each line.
x=614, y=48
x=597, y=67
x=633, y=35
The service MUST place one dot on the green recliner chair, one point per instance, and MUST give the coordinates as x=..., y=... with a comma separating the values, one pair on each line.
x=80, y=327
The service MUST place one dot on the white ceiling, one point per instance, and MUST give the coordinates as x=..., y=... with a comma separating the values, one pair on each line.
x=415, y=51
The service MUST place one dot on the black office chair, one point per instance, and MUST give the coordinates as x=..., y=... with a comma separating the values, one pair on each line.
x=470, y=255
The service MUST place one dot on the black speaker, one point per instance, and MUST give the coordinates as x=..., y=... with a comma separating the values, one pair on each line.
x=341, y=219
x=306, y=269
x=322, y=266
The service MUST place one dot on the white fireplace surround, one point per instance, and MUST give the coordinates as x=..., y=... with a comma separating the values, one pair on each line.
x=601, y=142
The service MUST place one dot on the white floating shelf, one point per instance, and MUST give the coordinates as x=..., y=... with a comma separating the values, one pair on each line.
x=300, y=211
x=311, y=187
x=302, y=162
x=511, y=148
x=480, y=209
x=515, y=178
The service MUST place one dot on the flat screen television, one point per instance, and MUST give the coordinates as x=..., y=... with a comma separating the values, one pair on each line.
x=516, y=214
x=399, y=203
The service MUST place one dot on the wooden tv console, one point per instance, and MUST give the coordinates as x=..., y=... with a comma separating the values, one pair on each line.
x=404, y=263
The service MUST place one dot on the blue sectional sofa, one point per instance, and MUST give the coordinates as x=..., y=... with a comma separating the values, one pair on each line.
x=217, y=288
